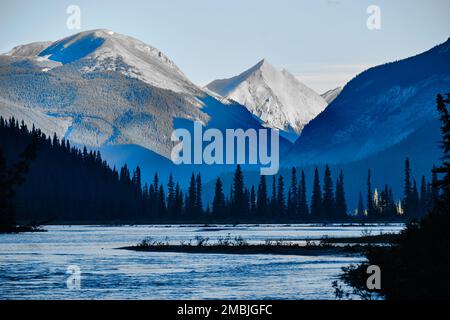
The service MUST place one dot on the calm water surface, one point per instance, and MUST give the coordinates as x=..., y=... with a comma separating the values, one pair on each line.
x=34, y=265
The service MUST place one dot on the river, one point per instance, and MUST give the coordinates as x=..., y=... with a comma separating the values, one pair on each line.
x=35, y=265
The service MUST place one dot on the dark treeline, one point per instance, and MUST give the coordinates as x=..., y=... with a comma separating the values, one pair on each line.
x=76, y=185
x=327, y=202
x=65, y=182
x=284, y=200
x=381, y=204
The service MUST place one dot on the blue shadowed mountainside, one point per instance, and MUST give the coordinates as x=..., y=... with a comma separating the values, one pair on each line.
x=72, y=49
x=376, y=110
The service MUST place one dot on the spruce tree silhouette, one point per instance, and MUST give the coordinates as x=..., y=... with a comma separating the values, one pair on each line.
x=292, y=207
x=316, y=199
x=238, y=192
x=303, y=209
x=262, y=200
x=328, y=205
x=219, y=199
x=408, y=205
x=281, y=202
x=341, y=204
x=371, y=212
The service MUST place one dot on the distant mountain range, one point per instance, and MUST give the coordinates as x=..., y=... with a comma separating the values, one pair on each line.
x=100, y=88
x=276, y=97
x=116, y=93
x=377, y=110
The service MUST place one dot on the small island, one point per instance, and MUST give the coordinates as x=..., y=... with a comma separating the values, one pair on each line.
x=238, y=245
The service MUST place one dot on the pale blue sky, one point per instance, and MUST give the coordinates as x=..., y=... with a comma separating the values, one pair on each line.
x=323, y=42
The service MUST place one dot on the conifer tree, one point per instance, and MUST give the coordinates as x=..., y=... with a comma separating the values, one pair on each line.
x=360, y=210
x=198, y=195
x=392, y=209
x=434, y=187
x=303, y=209
x=407, y=191
x=415, y=200
x=246, y=209
x=371, y=212
x=316, y=200
x=252, y=201
x=341, y=204
x=124, y=173
x=55, y=142
x=136, y=181
x=273, y=199
x=262, y=201
x=152, y=196
x=156, y=196
x=162, y=201
x=328, y=206
x=424, y=198
x=7, y=217
x=383, y=202
x=178, y=207
x=218, y=208
x=293, y=193
x=238, y=191
x=156, y=183
x=85, y=153
x=281, y=204
x=191, y=196
x=170, y=195
x=9, y=179
x=444, y=170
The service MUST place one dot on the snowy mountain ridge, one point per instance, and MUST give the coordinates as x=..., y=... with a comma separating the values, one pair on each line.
x=104, y=50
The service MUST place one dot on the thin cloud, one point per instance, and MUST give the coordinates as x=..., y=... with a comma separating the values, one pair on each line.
x=324, y=77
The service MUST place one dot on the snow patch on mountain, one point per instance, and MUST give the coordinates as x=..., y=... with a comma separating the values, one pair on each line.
x=331, y=95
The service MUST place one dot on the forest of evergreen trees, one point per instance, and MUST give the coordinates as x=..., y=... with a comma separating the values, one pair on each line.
x=67, y=184
x=415, y=265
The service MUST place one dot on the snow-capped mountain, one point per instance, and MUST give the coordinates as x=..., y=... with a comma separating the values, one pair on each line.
x=276, y=97
x=381, y=108
x=105, y=50
x=101, y=88
x=332, y=94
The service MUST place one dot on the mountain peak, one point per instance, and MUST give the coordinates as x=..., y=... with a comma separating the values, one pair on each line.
x=105, y=50
x=276, y=97
x=263, y=65
x=263, y=62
